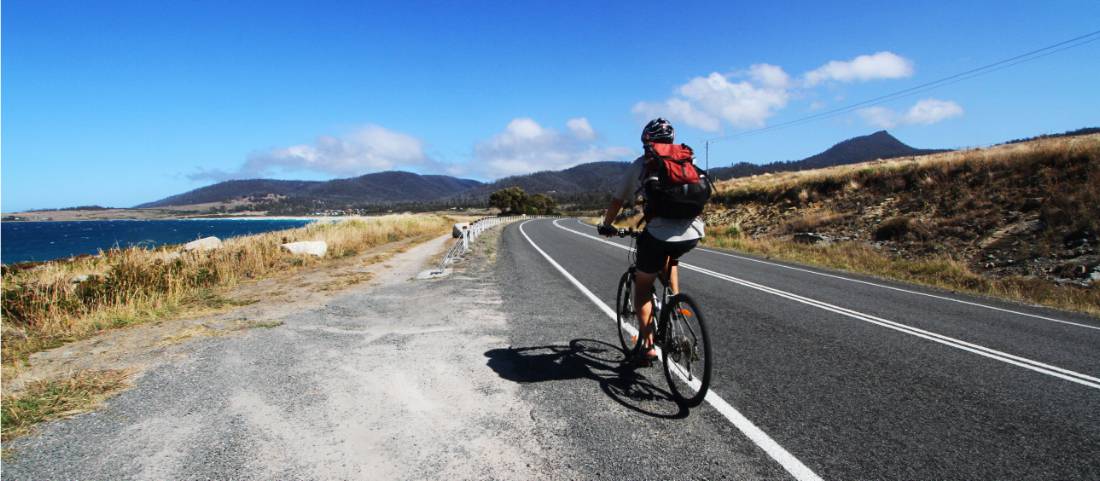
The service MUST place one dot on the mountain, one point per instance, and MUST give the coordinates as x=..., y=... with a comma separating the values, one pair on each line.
x=879, y=145
x=593, y=177
x=583, y=185
x=377, y=188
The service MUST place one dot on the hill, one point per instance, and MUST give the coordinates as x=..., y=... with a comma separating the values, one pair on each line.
x=377, y=188
x=1019, y=220
x=879, y=145
x=585, y=184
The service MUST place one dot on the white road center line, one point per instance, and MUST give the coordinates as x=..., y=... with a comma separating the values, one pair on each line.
x=755, y=434
x=1066, y=374
x=893, y=288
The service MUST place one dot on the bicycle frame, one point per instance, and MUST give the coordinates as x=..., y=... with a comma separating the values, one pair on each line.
x=658, y=301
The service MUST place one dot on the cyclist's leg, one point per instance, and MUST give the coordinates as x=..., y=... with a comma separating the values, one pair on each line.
x=649, y=263
x=643, y=300
x=675, y=250
x=674, y=275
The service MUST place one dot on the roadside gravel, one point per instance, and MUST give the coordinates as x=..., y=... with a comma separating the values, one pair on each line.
x=381, y=382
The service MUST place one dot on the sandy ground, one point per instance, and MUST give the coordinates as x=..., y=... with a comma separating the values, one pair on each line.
x=382, y=380
x=269, y=300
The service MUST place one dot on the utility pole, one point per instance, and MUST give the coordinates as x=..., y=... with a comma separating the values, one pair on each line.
x=707, y=149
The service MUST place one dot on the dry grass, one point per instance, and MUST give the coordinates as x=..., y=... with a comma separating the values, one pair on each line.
x=956, y=220
x=43, y=307
x=935, y=271
x=811, y=221
x=1037, y=163
x=46, y=400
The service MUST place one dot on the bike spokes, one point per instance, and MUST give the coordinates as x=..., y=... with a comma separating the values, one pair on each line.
x=626, y=316
x=687, y=356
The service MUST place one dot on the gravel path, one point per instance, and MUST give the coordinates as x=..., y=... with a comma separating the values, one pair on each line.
x=382, y=382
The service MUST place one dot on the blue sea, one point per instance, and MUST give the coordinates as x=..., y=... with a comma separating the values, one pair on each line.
x=43, y=241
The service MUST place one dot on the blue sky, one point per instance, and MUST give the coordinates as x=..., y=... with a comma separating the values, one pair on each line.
x=118, y=103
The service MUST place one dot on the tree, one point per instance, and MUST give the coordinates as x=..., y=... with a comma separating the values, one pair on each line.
x=542, y=204
x=514, y=200
x=511, y=200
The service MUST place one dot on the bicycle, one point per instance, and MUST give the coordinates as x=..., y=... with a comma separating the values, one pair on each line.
x=673, y=315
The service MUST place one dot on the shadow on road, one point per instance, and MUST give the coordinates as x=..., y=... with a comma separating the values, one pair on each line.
x=588, y=359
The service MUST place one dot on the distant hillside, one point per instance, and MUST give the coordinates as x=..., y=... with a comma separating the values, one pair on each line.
x=879, y=145
x=594, y=177
x=381, y=187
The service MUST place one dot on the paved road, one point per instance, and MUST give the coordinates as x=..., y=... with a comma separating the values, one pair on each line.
x=510, y=369
x=844, y=377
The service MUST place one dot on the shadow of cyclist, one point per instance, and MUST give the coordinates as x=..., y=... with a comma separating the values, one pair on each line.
x=587, y=359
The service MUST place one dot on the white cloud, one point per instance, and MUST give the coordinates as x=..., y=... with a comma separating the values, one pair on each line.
x=881, y=65
x=930, y=111
x=924, y=112
x=525, y=146
x=704, y=102
x=769, y=75
x=368, y=149
x=581, y=128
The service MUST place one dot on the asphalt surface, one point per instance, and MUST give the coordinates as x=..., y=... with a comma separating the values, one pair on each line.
x=849, y=388
x=507, y=370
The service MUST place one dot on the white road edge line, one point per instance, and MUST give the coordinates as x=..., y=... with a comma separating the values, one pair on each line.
x=1066, y=374
x=765, y=442
x=899, y=289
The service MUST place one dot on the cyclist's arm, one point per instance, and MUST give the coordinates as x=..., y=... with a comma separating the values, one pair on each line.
x=612, y=211
x=626, y=191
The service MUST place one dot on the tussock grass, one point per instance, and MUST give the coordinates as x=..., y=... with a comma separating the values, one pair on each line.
x=1061, y=173
x=47, y=400
x=1003, y=221
x=43, y=307
x=935, y=271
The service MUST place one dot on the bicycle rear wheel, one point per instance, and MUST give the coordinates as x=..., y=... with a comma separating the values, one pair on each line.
x=626, y=319
x=686, y=352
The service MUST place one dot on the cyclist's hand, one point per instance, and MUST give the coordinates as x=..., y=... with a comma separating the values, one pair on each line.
x=606, y=230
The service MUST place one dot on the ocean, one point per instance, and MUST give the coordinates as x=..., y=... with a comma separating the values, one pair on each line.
x=43, y=241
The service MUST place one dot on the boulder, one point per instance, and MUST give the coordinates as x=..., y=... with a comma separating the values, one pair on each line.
x=78, y=279
x=204, y=244
x=313, y=248
x=809, y=238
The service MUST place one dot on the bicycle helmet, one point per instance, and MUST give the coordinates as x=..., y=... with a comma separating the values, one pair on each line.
x=658, y=130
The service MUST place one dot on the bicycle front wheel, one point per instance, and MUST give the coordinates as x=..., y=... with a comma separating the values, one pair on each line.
x=686, y=350
x=626, y=319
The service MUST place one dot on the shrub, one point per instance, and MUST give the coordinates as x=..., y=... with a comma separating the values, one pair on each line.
x=896, y=228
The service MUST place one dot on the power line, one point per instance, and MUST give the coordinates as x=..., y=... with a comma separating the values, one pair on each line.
x=951, y=79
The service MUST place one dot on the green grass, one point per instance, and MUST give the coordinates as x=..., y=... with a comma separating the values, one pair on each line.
x=47, y=400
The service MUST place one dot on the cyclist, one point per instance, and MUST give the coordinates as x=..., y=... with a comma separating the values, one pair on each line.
x=665, y=238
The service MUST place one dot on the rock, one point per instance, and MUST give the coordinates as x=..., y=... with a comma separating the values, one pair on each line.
x=204, y=244
x=1018, y=228
x=1078, y=238
x=313, y=248
x=809, y=238
x=1095, y=276
x=79, y=279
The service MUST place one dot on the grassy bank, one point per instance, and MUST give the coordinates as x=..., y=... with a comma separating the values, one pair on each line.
x=46, y=400
x=936, y=271
x=1016, y=221
x=62, y=301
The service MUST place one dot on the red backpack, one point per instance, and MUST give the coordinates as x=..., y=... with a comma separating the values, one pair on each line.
x=674, y=187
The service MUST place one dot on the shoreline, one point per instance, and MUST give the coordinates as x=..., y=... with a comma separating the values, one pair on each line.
x=193, y=218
